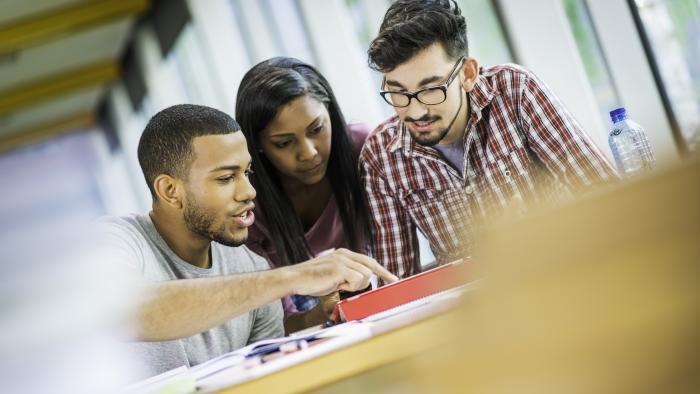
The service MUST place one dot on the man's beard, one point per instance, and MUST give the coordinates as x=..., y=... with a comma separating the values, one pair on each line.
x=200, y=222
x=430, y=139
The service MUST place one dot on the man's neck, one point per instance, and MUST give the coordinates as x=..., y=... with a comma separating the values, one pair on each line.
x=460, y=124
x=189, y=247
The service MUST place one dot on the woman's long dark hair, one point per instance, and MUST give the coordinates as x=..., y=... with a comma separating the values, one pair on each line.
x=265, y=89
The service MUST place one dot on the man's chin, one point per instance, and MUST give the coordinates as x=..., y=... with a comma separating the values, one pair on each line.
x=231, y=240
x=426, y=139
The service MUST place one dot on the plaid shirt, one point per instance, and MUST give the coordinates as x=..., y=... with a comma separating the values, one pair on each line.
x=519, y=141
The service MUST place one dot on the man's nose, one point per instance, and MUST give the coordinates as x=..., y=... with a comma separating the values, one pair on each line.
x=415, y=110
x=245, y=191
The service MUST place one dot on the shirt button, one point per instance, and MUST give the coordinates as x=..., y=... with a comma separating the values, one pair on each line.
x=469, y=189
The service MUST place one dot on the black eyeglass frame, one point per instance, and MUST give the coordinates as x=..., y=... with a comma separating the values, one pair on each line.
x=414, y=95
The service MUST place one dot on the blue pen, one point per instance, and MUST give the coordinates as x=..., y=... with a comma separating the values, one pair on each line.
x=263, y=350
x=275, y=347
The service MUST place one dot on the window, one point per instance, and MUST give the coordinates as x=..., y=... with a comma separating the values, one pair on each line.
x=366, y=17
x=273, y=28
x=592, y=56
x=673, y=30
x=289, y=30
x=187, y=61
x=50, y=191
x=487, y=41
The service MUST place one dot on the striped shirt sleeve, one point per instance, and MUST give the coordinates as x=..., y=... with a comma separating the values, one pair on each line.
x=558, y=140
x=393, y=232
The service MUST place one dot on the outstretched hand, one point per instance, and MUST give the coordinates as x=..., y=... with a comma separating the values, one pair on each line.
x=341, y=269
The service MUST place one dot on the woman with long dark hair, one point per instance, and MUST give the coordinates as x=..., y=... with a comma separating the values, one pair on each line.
x=304, y=155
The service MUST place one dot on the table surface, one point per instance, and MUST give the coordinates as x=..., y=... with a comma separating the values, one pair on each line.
x=408, y=332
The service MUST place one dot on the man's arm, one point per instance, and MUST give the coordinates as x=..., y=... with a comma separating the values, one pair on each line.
x=558, y=140
x=181, y=308
x=393, y=233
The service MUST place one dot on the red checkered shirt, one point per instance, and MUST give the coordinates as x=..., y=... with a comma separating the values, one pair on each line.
x=519, y=141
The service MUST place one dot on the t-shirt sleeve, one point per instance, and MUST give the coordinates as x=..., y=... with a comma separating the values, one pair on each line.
x=268, y=321
x=119, y=244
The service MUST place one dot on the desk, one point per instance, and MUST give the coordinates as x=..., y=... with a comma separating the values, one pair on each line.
x=598, y=296
x=384, y=349
x=398, y=336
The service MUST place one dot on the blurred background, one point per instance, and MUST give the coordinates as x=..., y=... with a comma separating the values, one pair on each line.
x=79, y=79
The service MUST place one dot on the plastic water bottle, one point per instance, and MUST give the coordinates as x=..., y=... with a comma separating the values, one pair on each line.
x=629, y=145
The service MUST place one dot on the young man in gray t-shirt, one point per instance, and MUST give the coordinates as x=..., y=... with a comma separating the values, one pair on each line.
x=207, y=294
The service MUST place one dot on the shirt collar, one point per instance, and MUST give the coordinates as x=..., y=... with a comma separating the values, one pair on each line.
x=482, y=94
x=480, y=97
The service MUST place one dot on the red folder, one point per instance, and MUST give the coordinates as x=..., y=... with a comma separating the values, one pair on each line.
x=406, y=290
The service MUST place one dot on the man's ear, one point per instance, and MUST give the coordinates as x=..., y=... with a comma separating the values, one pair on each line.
x=169, y=190
x=470, y=71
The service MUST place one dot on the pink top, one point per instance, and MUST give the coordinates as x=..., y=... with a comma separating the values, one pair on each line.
x=326, y=233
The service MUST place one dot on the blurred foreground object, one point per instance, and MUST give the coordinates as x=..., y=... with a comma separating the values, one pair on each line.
x=62, y=312
x=601, y=296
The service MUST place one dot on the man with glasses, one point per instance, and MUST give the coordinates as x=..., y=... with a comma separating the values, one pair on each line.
x=466, y=142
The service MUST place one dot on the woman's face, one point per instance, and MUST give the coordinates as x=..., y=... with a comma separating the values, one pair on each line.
x=298, y=140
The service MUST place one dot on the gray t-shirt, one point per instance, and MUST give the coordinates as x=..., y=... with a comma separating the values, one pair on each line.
x=453, y=153
x=134, y=241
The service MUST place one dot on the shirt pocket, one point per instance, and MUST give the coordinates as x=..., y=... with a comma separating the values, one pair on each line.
x=511, y=174
x=443, y=216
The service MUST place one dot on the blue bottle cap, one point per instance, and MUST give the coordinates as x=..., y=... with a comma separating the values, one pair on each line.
x=618, y=114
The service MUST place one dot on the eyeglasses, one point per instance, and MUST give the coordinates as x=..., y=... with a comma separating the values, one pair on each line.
x=432, y=95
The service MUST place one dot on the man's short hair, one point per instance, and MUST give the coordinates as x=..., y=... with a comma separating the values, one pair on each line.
x=410, y=26
x=165, y=146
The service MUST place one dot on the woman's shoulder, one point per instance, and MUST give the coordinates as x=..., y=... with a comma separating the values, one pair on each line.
x=260, y=243
x=258, y=234
x=358, y=132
